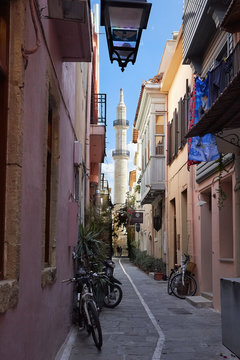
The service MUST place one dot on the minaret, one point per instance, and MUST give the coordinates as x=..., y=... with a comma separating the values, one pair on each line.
x=121, y=154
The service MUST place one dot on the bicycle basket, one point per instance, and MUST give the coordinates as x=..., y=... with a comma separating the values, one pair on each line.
x=190, y=267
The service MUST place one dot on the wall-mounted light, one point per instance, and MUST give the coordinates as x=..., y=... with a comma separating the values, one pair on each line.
x=200, y=202
x=124, y=21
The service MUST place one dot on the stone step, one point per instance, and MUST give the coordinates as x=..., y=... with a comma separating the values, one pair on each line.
x=199, y=301
x=207, y=295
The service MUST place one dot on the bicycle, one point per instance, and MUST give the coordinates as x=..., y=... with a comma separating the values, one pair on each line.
x=113, y=290
x=174, y=271
x=183, y=283
x=86, y=305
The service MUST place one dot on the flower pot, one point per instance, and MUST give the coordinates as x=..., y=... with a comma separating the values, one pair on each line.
x=158, y=276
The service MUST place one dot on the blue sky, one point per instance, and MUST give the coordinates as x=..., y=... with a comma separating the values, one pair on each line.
x=165, y=18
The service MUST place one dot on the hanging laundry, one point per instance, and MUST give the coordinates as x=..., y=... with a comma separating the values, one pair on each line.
x=200, y=148
x=220, y=77
x=191, y=121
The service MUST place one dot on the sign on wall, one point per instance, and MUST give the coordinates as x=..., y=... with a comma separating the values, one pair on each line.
x=136, y=217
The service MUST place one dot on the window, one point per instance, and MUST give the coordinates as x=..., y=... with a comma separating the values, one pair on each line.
x=4, y=39
x=159, y=135
x=177, y=128
x=48, y=187
x=51, y=188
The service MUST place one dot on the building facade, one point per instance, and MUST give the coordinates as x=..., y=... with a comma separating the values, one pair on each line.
x=45, y=102
x=150, y=124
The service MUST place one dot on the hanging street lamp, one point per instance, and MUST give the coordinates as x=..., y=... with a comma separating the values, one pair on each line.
x=124, y=21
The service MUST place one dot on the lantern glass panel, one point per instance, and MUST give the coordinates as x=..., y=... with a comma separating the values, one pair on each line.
x=123, y=38
x=122, y=17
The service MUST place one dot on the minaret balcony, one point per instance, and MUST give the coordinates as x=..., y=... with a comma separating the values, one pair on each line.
x=121, y=153
x=121, y=122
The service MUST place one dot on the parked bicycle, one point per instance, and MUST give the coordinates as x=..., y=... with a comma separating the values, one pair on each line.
x=113, y=289
x=174, y=271
x=106, y=288
x=183, y=284
x=87, y=313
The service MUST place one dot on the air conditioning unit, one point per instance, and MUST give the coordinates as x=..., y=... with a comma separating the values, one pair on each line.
x=77, y=155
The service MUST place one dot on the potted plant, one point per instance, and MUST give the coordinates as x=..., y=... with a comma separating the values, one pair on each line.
x=159, y=269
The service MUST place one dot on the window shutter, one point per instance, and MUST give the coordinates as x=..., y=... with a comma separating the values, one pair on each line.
x=169, y=145
x=179, y=133
x=186, y=111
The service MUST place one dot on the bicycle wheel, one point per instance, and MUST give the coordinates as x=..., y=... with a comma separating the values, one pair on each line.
x=180, y=289
x=169, y=289
x=95, y=325
x=114, y=297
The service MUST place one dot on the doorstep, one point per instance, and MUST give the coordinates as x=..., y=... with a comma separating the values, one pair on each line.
x=199, y=301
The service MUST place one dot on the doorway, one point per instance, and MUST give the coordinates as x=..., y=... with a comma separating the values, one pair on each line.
x=206, y=241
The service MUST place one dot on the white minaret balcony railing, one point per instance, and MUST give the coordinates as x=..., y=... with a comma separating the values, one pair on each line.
x=121, y=122
x=121, y=153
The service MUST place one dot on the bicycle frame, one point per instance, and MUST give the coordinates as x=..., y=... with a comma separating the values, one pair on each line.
x=84, y=301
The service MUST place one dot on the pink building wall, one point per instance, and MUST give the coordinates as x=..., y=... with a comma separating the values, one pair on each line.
x=37, y=326
x=213, y=236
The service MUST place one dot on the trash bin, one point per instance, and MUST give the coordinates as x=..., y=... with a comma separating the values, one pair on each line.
x=230, y=313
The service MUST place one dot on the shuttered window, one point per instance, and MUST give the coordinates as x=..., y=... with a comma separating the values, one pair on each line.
x=177, y=129
x=159, y=135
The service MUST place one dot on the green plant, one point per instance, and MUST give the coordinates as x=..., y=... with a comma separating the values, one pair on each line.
x=143, y=260
x=220, y=191
x=137, y=188
x=159, y=266
x=89, y=245
x=131, y=243
x=102, y=220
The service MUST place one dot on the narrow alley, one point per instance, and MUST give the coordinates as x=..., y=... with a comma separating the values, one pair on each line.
x=150, y=324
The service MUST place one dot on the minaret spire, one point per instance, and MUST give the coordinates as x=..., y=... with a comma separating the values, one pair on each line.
x=121, y=97
x=121, y=154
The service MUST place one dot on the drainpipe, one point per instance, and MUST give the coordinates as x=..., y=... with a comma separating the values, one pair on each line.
x=87, y=138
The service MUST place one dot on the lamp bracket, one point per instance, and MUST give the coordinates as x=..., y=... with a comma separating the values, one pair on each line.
x=232, y=139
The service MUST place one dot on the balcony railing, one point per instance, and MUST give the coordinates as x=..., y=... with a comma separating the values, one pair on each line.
x=98, y=115
x=121, y=153
x=223, y=101
x=121, y=122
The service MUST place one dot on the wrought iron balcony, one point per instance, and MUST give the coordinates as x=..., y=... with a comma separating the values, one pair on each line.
x=201, y=19
x=121, y=122
x=121, y=153
x=98, y=113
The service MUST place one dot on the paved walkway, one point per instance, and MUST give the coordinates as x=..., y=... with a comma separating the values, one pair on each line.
x=150, y=325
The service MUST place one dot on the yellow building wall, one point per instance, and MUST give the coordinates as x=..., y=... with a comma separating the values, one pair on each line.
x=179, y=182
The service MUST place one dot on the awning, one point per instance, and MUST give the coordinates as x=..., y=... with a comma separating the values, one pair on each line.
x=231, y=20
x=223, y=114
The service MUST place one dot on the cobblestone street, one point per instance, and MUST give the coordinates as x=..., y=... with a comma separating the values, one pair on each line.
x=150, y=324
